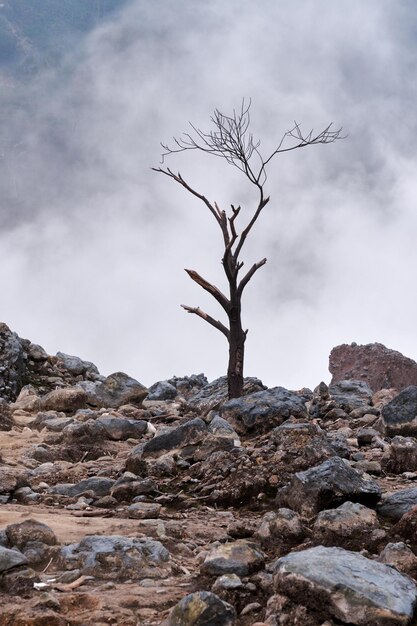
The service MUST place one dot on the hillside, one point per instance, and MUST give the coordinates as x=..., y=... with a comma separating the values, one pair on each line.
x=176, y=506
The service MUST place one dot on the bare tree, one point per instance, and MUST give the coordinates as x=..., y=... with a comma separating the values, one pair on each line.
x=232, y=140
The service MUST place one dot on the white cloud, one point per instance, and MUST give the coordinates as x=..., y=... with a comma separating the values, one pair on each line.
x=94, y=243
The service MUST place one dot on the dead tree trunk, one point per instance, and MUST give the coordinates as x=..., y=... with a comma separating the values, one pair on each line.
x=231, y=141
x=236, y=351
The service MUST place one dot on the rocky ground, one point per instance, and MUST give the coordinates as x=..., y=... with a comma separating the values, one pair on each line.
x=175, y=506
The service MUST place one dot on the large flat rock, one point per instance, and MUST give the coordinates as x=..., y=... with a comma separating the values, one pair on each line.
x=350, y=587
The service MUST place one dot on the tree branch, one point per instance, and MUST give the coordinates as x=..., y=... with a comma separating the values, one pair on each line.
x=216, y=323
x=249, y=275
x=262, y=203
x=179, y=179
x=212, y=289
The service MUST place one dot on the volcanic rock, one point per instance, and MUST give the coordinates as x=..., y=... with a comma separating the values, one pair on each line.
x=394, y=505
x=400, y=556
x=212, y=395
x=190, y=433
x=12, y=363
x=373, y=363
x=120, y=428
x=262, y=410
x=114, y=391
x=400, y=415
x=352, y=588
x=328, y=485
x=10, y=559
x=401, y=455
x=113, y=556
x=301, y=445
x=240, y=557
x=67, y=400
x=202, y=608
x=162, y=390
x=283, y=527
x=6, y=419
x=349, y=526
x=77, y=366
x=99, y=486
x=28, y=531
x=351, y=394
x=144, y=510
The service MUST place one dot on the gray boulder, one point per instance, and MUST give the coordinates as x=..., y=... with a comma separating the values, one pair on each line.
x=329, y=484
x=262, y=410
x=394, y=505
x=90, y=431
x=352, y=588
x=36, y=353
x=27, y=400
x=120, y=428
x=114, y=557
x=30, y=530
x=192, y=432
x=11, y=478
x=68, y=400
x=401, y=455
x=351, y=394
x=400, y=556
x=99, y=486
x=303, y=444
x=128, y=487
x=144, y=510
x=162, y=390
x=202, y=608
x=187, y=386
x=400, y=415
x=77, y=366
x=351, y=526
x=10, y=559
x=221, y=428
x=116, y=390
x=212, y=395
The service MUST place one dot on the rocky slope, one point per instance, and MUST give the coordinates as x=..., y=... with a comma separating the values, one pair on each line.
x=175, y=506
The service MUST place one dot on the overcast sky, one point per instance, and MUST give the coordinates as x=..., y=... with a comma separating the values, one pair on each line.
x=93, y=242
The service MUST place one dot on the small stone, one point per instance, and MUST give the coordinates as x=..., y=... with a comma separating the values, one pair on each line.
x=144, y=510
x=239, y=557
x=251, y=608
x=400, y=556
x=281, y=528
x=227, y=581
x=202, y=608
